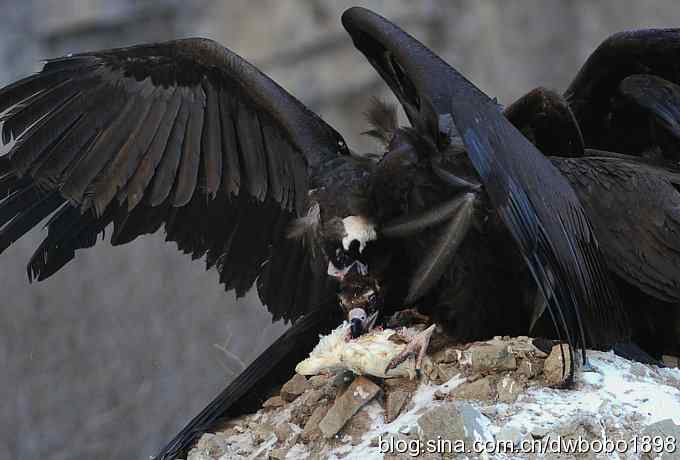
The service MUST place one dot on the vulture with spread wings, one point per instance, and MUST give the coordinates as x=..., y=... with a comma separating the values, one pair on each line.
x=462, y=216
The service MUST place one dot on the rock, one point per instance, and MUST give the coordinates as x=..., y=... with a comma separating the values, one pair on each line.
x=556, y=365
x=524, y=347
x=486, y=357
x=294, y=388
x=480, y=390
x=273, y=402
x=509, y=388
x=300, y=414
x=311, y=431
x=361, y=391
x=357, y=426
x=261, y=432
x=665, y=429
x=671, y=361
x=278, y=454
x=395, y=401
x=283, y=431
x=400, y=383
x=530, y=368
x=447, y=355
x=454, y=421
x=475, y=422
x=311, y=397
x=447, y=371
x=318, y=381
x=445, y=422
x=211, y=445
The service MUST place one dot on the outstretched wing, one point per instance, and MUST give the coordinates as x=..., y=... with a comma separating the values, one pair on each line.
x=534, y=200
x=183, y=134
x=611, y=111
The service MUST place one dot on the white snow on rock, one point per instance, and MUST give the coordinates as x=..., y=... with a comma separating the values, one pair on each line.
x=617, y=399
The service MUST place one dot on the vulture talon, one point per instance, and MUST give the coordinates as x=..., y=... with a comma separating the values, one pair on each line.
x=416, y=348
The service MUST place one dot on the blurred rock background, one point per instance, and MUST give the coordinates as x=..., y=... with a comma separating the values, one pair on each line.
x=111, y=356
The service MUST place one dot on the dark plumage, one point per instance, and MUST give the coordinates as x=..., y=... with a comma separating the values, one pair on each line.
x=462, y=216
x=624, y=114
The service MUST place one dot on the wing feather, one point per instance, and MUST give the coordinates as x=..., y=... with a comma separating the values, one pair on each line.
x=147, y=167
x=187, y=175
x=535, y=201
x=182, y=134
x=166, y=172
x=211, y=141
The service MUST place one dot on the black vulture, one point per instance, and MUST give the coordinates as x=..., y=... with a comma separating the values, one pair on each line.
x=462, y=217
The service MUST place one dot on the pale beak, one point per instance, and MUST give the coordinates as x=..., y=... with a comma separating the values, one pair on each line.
x=359, y=323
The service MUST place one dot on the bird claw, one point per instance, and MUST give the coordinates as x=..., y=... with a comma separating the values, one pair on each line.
x=416, y=348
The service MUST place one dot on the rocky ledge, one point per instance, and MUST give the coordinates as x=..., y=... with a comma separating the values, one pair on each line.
x=503, y=393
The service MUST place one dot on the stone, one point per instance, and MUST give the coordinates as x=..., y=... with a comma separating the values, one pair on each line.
x=278, y=454
x=294, y=388
x=360, y=391
x=480, y=390
x=273, y=402
x=556, y=367
x=430, y=371
x=445, y=422
x=212, y=445
x=357, y=426
x=311, y=398
x=487, y=357
x=509, y=388
x=311, y=431
x=300, y=413
x=447, y=371
x=454, y=421
x=395, y=401
x=530, y=368
x=447, y=355
x=670, y=361
x=524, y=347
x=261, y=432
x=283, y=431
x=400, y=383
x=318, y=381
x=666, y=429
x=475, y=422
